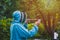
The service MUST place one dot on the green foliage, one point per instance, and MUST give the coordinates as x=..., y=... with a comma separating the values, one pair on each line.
x=5, y=29
x=7, y=7
x=30, y=26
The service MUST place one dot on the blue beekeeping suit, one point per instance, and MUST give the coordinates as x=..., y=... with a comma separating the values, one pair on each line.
x=18, y=31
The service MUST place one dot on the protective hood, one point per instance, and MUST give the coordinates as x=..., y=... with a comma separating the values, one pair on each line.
x=19, y=16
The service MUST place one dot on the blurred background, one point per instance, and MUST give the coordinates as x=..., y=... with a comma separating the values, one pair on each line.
x=46, y=10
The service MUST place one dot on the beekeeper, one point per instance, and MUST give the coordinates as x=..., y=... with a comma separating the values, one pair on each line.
x=19, y=31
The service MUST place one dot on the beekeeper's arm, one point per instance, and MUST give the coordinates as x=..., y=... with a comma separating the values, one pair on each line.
x=25, y=33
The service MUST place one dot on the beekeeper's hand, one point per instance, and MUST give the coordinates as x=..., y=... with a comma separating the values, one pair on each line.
x=38, y=22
